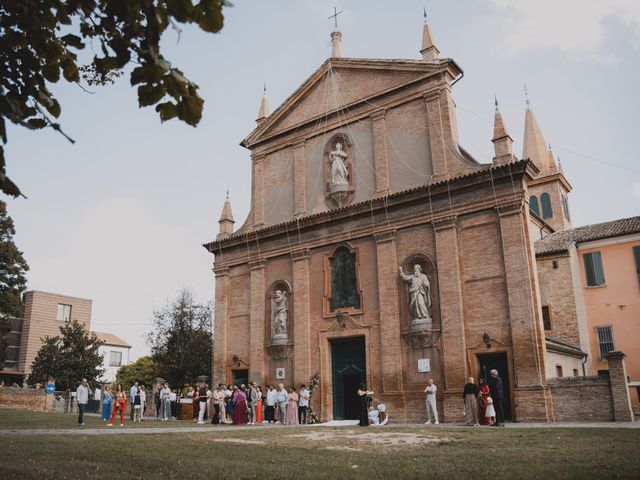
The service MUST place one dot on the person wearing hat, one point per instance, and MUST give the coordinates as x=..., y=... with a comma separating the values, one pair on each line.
x=497, y=395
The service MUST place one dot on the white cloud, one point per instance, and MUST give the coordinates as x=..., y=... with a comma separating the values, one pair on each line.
x=577, y=28
x=128, y=262
x=635, y=190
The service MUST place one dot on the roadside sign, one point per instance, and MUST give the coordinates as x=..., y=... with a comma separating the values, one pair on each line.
x=50, y=388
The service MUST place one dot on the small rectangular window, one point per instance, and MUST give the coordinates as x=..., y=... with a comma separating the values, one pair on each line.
x=546, y=317
x=603, y=373
x=115, y=358
x=593, y=270
x=64, y=312
x=575, y=372
x=605, y=340
x=636, y=256
x=559, y=371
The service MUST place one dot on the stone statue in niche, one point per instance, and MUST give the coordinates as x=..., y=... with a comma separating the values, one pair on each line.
x=339, y=169
x=419, y=298
x=279, y=317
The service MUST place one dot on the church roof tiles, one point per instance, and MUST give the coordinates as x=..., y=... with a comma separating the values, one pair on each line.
x=561, y=241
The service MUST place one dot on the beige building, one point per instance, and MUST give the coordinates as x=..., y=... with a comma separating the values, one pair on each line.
x=590, y=279
x=44, y=314
x=378, y=250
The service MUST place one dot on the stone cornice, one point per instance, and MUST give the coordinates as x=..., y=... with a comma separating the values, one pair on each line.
x=556, y=177
x=300, y=254
x=435, y=189
x=221, y=270
x=259, y=264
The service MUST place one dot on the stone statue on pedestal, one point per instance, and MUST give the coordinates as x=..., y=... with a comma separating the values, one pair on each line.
x=339, y=169
x=279, y=317
x=419, y=297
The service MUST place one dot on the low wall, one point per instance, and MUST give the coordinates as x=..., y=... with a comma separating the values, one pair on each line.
x=32, y=399
x=581, y=399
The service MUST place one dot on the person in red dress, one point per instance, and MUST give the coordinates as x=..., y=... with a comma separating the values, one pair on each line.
x=259, y=413
x=239, y=400
x=482, y=403
x=120, y=405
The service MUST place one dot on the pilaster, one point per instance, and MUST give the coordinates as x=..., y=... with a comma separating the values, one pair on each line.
x=299, y=178
x=257, y=178
x=443, y=132
x=622, y=410
x=527, y=336
x=256, y=321
x=301, y=320
x=390, y=350
x=452, y=317
x=220, y=321
x=380, y=152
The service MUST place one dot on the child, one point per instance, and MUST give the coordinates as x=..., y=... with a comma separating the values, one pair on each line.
x=491, y=412
x=137, y=407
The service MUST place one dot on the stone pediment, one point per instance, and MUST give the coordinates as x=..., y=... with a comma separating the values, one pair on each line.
x=342, y=83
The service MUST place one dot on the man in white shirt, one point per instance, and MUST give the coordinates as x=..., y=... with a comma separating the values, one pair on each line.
x=281, y=399
x=303, y=405
x=432, y=409
x=132, y=395
x=271, y=404
x=82, y=398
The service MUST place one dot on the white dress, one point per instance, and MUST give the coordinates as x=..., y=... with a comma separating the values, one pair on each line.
x=490, y=412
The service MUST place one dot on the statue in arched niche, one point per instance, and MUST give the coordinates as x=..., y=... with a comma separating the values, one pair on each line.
x=339, y=159
x=419, y=297
x=279, y=316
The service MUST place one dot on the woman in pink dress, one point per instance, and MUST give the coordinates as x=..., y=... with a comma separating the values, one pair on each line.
x=291, y=417
x=239, y=400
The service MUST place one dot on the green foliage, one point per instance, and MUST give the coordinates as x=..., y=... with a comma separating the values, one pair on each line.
x=13, y=281
x=144, y=370
x=68, y=358
x=40, y=41
x=181, y=342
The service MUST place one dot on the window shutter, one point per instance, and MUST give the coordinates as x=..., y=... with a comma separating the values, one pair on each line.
x=533, y=204
x=636, y=255
x=588, y=270
x=545, y=202
x=597, y=268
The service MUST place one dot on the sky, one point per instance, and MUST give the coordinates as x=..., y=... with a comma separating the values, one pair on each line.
x=120, y=217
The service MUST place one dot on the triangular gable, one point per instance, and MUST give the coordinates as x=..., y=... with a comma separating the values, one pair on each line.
x=339, y=83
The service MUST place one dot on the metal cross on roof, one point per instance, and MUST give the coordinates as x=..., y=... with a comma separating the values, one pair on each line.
x=335, y=16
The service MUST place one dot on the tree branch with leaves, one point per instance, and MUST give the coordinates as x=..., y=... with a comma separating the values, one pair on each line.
x=39, y=45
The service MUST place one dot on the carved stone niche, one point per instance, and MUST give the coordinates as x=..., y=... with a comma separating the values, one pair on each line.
x=278, y=320
x=280, y=352
x=408, y=321
x=422, y=339
x=338, y=161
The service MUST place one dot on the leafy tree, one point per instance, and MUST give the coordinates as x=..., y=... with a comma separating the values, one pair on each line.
x=40, y=41
x=143, y=370
x=13, y=281
x=68, y=358
x=181, y=341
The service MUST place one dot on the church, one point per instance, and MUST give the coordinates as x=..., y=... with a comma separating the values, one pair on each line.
x=378, y=250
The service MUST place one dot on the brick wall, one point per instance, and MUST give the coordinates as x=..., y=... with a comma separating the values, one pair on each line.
x=23, y=399
x=581, y=399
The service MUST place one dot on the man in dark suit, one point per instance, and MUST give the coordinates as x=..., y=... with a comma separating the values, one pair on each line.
x=497, y=395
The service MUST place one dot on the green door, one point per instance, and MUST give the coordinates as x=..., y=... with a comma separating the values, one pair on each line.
x=348, y=369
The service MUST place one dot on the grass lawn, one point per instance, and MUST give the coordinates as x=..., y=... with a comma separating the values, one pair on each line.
x=19, y=419
x=392, y=453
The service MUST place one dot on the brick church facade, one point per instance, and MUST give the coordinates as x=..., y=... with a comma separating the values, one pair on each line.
x=360, y=173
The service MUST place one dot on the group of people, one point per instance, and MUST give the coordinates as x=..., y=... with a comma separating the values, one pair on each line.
x=114, y=403
x=250, y=404
x=483, y=403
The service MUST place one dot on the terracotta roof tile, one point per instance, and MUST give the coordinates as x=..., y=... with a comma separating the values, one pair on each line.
x=561, y=241
x=111, y=339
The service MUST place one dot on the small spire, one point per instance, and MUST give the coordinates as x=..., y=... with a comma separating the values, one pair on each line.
x=526, y=97
x=502, y=142
x=429, y=51
x=263, y=112
x=424, y=12
x=226, y=219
